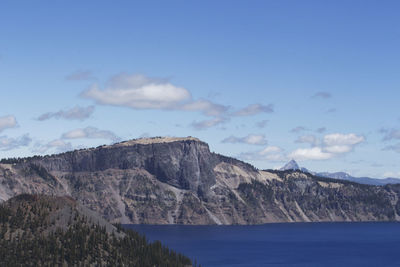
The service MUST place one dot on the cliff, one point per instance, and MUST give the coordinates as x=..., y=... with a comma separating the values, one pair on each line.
x=179, y=181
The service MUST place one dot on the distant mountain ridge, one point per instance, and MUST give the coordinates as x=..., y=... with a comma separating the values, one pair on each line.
x=168, y=180
x=293, y=165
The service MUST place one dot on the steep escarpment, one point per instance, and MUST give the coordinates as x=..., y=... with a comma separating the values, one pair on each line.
x=179, y=181
x=183, y=163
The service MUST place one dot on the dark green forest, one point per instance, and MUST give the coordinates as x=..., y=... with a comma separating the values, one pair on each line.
x=33, y=232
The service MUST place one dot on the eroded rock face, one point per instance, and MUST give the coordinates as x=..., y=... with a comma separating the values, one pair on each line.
x=179, y=181
x=185, y=164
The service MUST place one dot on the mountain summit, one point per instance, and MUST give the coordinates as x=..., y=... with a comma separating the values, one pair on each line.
x=171, y=180
x=291, y=165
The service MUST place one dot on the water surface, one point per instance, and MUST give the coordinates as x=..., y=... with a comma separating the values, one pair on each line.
x=298, y=244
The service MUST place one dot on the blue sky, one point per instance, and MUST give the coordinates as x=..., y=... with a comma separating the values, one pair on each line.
x=264, y=81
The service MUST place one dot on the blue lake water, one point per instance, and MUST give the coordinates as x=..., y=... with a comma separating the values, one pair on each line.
x=299, y=244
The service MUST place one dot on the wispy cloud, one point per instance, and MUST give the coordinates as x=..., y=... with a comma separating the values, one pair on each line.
x=251, y=139
x=254, y=109
x=298, y=129
x=90, y=133
x=205, y=124
x=395, y=148
x=321, y=130
x=76, y=113
x=323, y=95
x=390, y=134
x=262, y=124
x=58, y=145
x=7, y=122
x=8, y=143
x=269, y=153
x=208, y=108
x=138, y=91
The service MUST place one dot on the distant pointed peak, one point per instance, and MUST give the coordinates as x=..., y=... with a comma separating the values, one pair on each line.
x=291, y=165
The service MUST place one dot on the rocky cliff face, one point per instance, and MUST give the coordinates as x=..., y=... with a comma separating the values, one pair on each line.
x=179, y=181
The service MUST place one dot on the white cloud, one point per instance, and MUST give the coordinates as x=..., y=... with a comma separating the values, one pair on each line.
x=338, y=149
x=7, y=122
x=139, y=92
x=254, y=109
x=343, y=139
x=392, y=174
x=76, y=113
x=58, y=145
x=341, y=143
x=90, y=133
x=331, y=146
x=314, y=153
x=251, y=139
x=7, y=143
x=270, y=153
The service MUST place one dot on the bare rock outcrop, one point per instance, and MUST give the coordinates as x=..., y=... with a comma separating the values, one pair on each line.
x=179, y=181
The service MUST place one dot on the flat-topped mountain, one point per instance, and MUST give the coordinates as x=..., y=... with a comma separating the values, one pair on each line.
x=179, y=181
x=38, y=230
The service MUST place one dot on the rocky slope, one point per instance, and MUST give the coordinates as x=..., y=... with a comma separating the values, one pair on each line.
x=179, y=181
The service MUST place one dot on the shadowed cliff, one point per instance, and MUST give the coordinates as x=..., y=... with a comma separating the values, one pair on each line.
x=179, y=181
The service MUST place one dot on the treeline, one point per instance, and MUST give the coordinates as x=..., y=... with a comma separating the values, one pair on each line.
x=32, y=235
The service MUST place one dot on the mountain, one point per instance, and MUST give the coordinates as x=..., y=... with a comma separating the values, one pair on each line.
x=58, y=231
x=361, y=180
x=167, y=180
x=292, y=165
